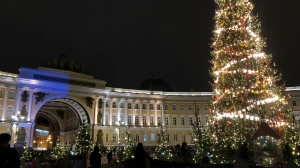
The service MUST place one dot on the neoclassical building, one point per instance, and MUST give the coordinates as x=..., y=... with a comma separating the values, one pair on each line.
x=39, y=104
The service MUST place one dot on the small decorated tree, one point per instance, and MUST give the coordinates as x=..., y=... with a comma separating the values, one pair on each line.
x=127, y=151
x=56, y=152
x=83, y=143
x=163, y=151
x=27, y=153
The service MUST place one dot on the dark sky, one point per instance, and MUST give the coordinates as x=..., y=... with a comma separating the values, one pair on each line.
x=125, y=41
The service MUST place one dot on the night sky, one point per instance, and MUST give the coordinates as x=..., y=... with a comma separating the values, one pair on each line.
x=126, y=42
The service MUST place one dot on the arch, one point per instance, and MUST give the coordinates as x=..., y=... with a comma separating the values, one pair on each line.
x=72, y=102
x=55, y=121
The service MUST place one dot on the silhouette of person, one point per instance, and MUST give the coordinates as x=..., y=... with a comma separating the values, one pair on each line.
x=95, y=158
x=9, y=157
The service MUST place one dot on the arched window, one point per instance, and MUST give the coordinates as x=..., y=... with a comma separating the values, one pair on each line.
x=151, y=120
x=106, y=118
x=9, y=112
x=159, y=119
x=136, y=119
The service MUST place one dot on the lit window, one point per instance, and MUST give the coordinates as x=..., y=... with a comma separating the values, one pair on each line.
x=122, y=105
x=145, y=137
x=106, y=118
x=137, y=137
x=122, y=118
x=181, y=107
x=152, y=137
x=183, y=137
x=136, y=106
x=174, y=107
x=151, y=120
x=166, y=107
x=114, y=119
x=9, y=112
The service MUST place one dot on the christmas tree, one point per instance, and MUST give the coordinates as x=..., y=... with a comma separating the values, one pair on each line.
x=26, y=154
x=127, y=151
x=201, y=138
x=83, y=143
x=247, y=88
x=163, y=150
x=56, y=152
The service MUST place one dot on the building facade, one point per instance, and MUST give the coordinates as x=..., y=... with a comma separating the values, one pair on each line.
x=37, y=105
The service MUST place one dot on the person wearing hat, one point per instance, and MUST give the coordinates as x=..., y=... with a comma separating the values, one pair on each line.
x=9, y=157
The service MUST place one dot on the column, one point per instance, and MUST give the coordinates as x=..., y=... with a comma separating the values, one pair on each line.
x=118, y=108
x=141, y=112
x=110, y=111
x=18, y=101
x=133, y=112
x=104, y=111
x=126, y=112
x=29, y=106
x=96, y=111
x=4, y=103
x=162, y=114
x=155, y=112
x=148, y=113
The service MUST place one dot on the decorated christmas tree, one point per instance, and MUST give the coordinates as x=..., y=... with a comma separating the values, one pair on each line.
x=163, y=150
x=201, y=138
x=26, y=153
x=247, y=88
x=56, y=152
x=83, y=143
x=127, y=149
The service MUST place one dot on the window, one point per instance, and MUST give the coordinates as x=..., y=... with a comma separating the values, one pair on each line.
x=151, y=106
x=106, y=138
x=106, y=104
x=136, y=119
x=151, y=120
x=181, y=107
x=166, y=107
x=189, y=107
x=114, y=119
x=296, y=116
x=114, y=105
x=145, y=137
x=167, y=120
x=183, y=137
x=129, y=119
x=192, y=138
x=1, y=94
x=106, y=118
x=129, y=105
x=136, y=106
x=122, y=118
x=168, y=137
x=137, y=137
x=294, y=103
x=152, y=137
x=11, y=95
x=159, y=120
x=114, y=137
x=144, y=120
x=182, y=120
x=175, y=137
x=122, y=105
x=205, y=107
x=190, y=120
x=144, y=106
x=174, y=107
x=9, y=112
x=197, y=107
x=174, y=121
x=158, y=107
